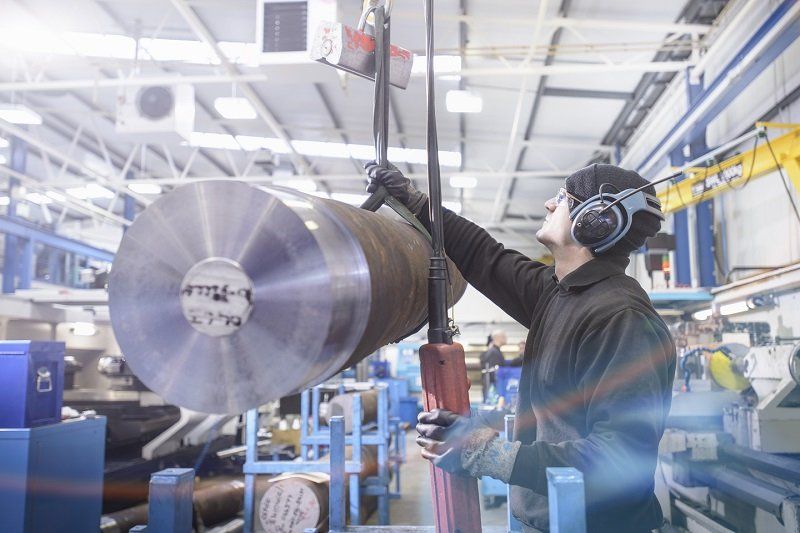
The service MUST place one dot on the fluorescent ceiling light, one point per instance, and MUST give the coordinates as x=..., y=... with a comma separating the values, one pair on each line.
x=145, y=188
x=463, y=102
x=58, y=197
x=4, y=143
x=303, y=185
x=4, y=200
x=734, y=308
x=38, y=198
x=705, y=314
x=362, y=152
x=441, y=64
x=114, y=46
x=463, y=182
x=235, y=108
x=3, y=159
x=222, y=141
x=19, y=114
x=83, y=329
x=90, y=191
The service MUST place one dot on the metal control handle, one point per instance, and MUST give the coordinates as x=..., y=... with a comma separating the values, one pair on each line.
x=44, y=380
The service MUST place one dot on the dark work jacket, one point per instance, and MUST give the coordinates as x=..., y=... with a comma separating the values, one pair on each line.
x=596, y=379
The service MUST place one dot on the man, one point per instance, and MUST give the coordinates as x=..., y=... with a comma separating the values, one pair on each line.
x=491, y=358
x=598, y=365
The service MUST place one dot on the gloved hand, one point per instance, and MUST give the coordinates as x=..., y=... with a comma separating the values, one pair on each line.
x=466, y=446
x=397, y=185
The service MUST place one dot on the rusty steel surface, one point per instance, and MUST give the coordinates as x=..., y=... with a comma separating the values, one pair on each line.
x=224, y=296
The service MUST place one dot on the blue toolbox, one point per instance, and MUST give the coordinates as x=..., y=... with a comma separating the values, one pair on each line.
x=52, y=477
x=31, y=383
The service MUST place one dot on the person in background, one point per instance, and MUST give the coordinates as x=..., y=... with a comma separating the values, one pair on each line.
x=491, y=358
x=517, y=361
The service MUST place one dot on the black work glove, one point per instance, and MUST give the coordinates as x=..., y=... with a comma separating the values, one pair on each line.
x=397, y=185
x=449, y=440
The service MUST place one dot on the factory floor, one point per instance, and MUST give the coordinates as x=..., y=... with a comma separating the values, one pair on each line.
x=415, y=507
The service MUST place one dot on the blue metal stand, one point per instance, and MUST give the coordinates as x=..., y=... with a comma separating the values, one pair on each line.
x=566, y=500
x=565, y=495
x=315, y=438
x=170, y=502
x=513, y=524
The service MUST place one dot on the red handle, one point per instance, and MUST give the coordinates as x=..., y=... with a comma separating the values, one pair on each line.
x=445, y=386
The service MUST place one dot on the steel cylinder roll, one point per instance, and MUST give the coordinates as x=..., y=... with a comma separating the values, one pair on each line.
x=224, y=296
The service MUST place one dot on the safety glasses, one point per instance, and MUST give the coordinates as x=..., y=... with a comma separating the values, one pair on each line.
x=564, y=195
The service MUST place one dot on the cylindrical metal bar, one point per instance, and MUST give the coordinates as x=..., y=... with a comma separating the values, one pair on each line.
x=342, y=405
x=770, y=463
x=743, y=487
x=224, y=296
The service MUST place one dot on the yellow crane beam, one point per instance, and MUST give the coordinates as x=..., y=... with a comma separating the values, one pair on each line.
x=704, y=183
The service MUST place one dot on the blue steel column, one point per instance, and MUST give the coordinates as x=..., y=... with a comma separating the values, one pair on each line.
x=514, y=525
x=704, y=218
x=566, y=500
x=19, y=153
x=170, y=501
x=680, y=222
x=26, y=265
x=336, y=507
x=129, y=205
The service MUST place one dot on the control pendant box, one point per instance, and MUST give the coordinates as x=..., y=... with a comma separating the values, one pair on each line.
x=31, y=383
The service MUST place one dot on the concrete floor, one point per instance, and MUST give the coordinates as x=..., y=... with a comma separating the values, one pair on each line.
x=415, y=507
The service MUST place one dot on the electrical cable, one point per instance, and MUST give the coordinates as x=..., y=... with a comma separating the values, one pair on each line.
x=729, y=182
x=639, y=189
x=783, y=180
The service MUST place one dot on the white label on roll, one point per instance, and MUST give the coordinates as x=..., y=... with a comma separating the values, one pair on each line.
x=288, y=506
x=216, y=296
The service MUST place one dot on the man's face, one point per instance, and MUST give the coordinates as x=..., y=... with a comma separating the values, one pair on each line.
x=555, y=232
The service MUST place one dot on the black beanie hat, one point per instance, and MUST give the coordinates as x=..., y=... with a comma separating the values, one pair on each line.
x=586, y=183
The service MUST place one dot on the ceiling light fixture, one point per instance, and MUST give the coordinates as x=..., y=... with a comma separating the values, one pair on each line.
x=90, y=191
x=463, y=102
x=362, y=152
x=19, y=114
x=58, y=197
x=38, y=198
x=235, y=108
x=463, y=182
x=701, y=315
x=145, y=188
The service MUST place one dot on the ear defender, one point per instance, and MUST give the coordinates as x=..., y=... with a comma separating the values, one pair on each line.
x=603, y=220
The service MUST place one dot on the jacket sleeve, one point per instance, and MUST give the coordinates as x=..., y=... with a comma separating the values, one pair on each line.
x=624, y=373
x=508, y=278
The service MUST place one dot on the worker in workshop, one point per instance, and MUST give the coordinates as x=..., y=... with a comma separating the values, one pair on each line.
x=490, y=359
x=598, y=366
